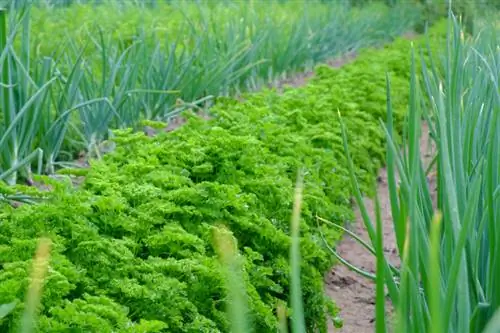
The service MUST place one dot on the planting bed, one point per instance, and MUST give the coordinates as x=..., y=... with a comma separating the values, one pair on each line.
x=133, y=246
x=81, y=70
x=437, y=209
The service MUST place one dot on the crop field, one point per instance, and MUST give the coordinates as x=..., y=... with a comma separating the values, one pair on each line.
x=120, y=65
x=249, y=166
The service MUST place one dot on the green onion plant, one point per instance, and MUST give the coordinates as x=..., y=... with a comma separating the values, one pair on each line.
x=448, y=247
x=65, y=87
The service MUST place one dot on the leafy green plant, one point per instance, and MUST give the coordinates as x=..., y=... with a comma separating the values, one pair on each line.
x=36, y=102
x=20, y=103
x=133, y=245
x=65, y=85
x=39, y=271
x=448, y=247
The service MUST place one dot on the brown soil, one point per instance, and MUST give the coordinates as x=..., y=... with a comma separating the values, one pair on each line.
x=354, y=294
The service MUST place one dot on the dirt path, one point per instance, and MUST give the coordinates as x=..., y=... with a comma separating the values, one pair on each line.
x=354, y=294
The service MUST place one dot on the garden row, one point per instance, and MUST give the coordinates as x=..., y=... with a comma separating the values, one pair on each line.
x=132, y=247
x=445, y=203
x=70, y=74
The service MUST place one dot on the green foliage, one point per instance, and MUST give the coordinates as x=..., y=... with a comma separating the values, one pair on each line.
x=132, y=248
x=447, y=233
x=70, y=74
x=468, y=12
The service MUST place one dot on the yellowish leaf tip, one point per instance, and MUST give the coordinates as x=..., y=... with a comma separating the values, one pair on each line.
x=437, y=218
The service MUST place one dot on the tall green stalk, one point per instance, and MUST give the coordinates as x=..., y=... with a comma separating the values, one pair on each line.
x=298, y=323
x=449, y=260
x=83, y=81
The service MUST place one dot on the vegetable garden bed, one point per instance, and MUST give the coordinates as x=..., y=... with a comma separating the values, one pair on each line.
x=133, y=247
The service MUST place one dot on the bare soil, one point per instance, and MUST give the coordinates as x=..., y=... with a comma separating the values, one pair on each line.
x=354, y=294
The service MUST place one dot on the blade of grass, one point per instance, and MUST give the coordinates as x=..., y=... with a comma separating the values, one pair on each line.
x=380, y=320
x=298, y=323
x=228, y=255
x=435, y=304
x=40, y=266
